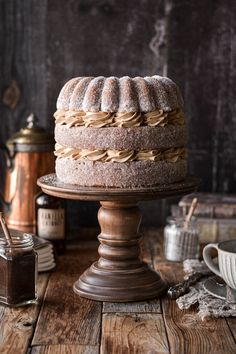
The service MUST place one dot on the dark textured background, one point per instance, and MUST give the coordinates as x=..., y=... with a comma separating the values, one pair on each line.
x=45, y=43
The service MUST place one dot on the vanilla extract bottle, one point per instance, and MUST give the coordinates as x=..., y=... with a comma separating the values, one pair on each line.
x=51, y=220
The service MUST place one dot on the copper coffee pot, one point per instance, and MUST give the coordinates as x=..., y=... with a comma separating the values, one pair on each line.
x=29, y=155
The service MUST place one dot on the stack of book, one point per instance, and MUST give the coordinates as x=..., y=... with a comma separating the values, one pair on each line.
x=215, y=213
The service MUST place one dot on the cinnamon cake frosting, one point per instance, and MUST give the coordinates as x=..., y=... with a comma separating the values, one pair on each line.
x=120, y=132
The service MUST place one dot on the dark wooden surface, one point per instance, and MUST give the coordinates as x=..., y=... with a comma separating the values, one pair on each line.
x=64, y=323
x=44, y=43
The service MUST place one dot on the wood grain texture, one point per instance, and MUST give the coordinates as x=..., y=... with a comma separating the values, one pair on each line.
x=65, y=349
x=17, y=324
x=232, y=326
x=148, y=306
x=66, y=318
x=133, y=333
x=187, y=333
x=23, y=36
x=52, y=185
x=202, y=60
x=62, y=330
x=119, y=275
x=23, y=59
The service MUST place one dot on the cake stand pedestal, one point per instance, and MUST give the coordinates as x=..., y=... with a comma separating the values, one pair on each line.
x=119, y=274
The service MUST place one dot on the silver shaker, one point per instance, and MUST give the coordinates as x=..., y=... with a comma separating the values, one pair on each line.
x=181, y=242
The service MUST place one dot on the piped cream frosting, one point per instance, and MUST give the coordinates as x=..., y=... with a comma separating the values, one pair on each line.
x=124, y=120
x=168, y=155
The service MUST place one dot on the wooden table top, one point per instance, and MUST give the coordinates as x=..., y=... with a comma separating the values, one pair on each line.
x=62, y=322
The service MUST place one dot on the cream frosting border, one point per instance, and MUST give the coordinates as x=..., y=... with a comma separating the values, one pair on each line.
x=100, y=119
x=169, y=155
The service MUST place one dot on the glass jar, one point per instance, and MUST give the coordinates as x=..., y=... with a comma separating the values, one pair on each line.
x=180, y=241
x=18, y=269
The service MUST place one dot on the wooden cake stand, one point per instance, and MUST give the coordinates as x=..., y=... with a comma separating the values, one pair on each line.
x=119, y=275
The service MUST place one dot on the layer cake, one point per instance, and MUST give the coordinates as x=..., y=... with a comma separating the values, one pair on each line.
x=120, y=132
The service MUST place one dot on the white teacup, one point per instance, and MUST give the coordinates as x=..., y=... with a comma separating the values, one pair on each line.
x=226, y=267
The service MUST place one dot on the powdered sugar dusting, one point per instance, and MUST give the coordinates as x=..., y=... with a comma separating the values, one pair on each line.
x=77, y=97
x=92, y=96
x=144, y=94
x=110, y=95
x=127, y=98
x=67, y=90
x=123, y=94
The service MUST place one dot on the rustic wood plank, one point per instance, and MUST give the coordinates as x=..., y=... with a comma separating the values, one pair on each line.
x=187, y=333
x=149, y=306
x=152, y=306
x=133, y=333
x=172, y=273
x=65, y=349
x=155, y=239
x=17, y=324
x=66, y=318
x=232, y=326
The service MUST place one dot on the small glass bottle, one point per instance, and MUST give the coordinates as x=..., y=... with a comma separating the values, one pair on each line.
x=180, y=241
x=18, y=269
x=50, y=220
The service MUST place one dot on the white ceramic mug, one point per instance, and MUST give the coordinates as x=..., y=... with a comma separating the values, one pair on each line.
x=226, y=267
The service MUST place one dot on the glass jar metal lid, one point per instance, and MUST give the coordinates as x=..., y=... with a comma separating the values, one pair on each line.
x=19, y=241
x=179, y=220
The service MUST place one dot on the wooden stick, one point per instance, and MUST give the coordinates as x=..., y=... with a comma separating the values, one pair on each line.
x=190, y=212
x=5, y=229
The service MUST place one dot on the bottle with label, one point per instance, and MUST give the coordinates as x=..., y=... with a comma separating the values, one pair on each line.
x=50, y=220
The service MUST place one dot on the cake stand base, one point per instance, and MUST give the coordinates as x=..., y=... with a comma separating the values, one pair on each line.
x=119, y=275
x=122, y=286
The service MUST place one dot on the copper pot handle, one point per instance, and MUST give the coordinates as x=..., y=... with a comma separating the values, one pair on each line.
x=8, y=155
x=10, y=165
x=6, y=204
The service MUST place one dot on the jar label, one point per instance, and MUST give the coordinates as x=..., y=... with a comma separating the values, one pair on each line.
x=51, y=223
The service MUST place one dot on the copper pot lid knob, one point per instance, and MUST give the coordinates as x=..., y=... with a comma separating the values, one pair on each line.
x=32, y=137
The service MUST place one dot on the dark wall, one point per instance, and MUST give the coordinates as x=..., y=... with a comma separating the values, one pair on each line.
x=45, y=43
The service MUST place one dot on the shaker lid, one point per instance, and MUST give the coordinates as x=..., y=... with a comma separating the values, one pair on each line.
x=32, y=137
